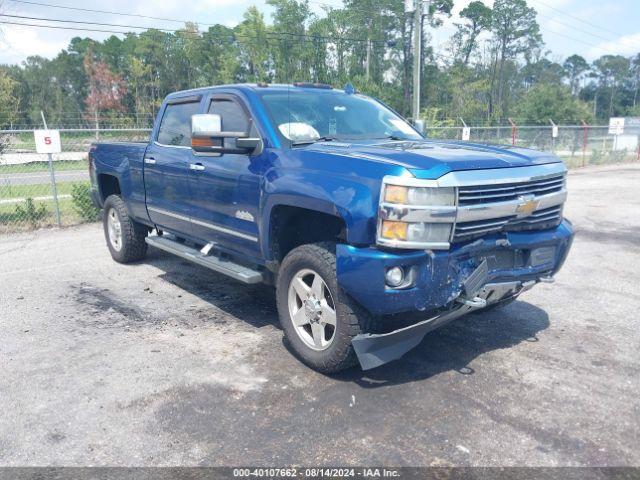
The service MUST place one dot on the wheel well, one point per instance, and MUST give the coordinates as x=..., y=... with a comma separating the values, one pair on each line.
x=109, y=185
x=295, y=226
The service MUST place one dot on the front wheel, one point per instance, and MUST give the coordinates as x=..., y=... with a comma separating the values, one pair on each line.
x=125, y=237
x=318, y=319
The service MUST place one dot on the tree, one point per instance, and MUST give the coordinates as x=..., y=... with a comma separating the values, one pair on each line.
x=551, y=101
x=368, y=43
x=478, y=17
x=254, y=46
x=575, y=68
x=635, y=74
x=292, y=51
x=542, y=71
x=8, y=99
x=611, y=71
x=515, y=32
x=106, y=89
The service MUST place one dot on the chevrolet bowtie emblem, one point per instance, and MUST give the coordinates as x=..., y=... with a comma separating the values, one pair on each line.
x=527, y=205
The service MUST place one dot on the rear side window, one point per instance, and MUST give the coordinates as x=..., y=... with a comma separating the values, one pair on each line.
x=234, y=118
x=175, y=127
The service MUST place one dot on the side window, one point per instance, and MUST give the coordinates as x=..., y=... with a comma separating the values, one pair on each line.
x=175, y=127
x=234, y=118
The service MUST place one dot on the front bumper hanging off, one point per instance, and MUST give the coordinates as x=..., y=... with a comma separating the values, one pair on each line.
x=374, y=350
x=447, y=283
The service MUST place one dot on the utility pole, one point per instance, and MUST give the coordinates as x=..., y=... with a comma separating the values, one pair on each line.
x=368, y=58
x=419, y=6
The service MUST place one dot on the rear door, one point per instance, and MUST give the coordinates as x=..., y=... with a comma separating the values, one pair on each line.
x=166, y=167
x=226, y=187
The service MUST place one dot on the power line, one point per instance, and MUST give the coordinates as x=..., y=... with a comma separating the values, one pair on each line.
x=306, y=37
x=593, y=25
x=568, y=37
x=608, y=39
x=6, y=22
x=149, y=17
x=207, y=33
x=91, y=10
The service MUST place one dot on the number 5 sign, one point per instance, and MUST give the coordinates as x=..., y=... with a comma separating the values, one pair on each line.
x=47, y=141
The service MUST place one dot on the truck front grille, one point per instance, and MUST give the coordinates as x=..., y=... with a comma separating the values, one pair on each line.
x=538, y=220
x=478, y=194
x=489, y=196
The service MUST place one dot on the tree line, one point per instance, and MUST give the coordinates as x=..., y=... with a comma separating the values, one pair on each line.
x=496, y=66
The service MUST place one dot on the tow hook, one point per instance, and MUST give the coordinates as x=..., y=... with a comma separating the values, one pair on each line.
x=547, y=279
x=475, y=302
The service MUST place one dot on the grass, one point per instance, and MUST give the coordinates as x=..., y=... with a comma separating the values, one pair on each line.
x=11, y=222
x=40, y=190
x=577, y=161
x=33, y=167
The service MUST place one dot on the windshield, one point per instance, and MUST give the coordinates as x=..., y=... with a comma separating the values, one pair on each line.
x=304, y=117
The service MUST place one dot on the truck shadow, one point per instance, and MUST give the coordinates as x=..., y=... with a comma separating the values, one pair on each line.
x=450, y=348
x=252, y=304
x=455, y=346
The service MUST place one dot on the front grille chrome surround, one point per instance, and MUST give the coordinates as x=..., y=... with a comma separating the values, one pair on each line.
x=487, y=201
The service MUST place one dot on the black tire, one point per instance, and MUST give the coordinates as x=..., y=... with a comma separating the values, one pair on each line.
x=351, y=319
x=133, y=246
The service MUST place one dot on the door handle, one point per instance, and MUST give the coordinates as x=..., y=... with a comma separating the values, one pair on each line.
x=198, y=167
x=149, y=160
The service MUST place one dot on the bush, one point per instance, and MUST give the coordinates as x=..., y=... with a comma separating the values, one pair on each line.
x=30, y=212
x=82, y=203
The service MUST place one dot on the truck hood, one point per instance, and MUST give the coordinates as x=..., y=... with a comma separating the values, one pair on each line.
x=430, y=159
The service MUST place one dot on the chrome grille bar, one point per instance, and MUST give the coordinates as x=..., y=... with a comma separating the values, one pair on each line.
x=482, y=194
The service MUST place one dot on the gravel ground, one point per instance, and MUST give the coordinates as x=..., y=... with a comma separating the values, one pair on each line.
x=166, y=363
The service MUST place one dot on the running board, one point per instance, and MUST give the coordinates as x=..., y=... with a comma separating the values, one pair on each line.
x=226, y=267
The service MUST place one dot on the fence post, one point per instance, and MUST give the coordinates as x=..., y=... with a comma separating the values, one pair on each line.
x=514, y=132
x=554, y=134
x=466, y=131
x=585, y=140
x=54, y=188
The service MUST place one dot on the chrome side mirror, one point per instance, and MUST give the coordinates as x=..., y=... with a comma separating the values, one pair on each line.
x=207, y=137
x=205, y=125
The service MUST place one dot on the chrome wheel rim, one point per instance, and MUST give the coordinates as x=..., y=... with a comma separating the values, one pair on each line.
x=312, y=310
x=114, y=229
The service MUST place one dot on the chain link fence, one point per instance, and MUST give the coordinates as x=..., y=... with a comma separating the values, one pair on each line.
x=576, y=145
x=35, y=194
x=32, y=196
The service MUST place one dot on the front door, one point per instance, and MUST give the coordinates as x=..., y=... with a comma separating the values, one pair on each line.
x=167, y=165
x=226, y=187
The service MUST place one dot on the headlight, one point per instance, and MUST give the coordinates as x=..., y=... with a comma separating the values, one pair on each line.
x=402, y=195
x=415, y=216
x=415, y=232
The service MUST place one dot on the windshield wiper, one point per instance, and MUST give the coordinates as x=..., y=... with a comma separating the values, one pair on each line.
x=309, y=142
x=395, y=137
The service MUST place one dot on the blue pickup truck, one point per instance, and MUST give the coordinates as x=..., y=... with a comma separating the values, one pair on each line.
x=359, y=221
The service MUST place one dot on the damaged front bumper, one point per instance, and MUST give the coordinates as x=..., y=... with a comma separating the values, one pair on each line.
x=374, y=350
x=447, y=283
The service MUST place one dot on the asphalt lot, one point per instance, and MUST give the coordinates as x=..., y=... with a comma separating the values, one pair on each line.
x=166, y=363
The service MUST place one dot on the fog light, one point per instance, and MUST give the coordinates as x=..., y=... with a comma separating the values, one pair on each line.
x=394, y=276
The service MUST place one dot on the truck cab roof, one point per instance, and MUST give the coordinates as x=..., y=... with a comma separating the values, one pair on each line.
x=253, y=87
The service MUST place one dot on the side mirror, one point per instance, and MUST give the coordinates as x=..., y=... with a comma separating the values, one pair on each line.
x=207, y=137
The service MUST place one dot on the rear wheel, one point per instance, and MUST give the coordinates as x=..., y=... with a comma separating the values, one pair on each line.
x=318, y=319
x=125, y=237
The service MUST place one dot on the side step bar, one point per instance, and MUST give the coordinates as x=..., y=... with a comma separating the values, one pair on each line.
x=224, y=266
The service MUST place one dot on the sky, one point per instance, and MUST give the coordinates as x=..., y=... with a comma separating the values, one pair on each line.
x=590, y=28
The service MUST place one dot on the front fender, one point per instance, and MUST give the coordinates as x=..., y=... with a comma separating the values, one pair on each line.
x=353, y=199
